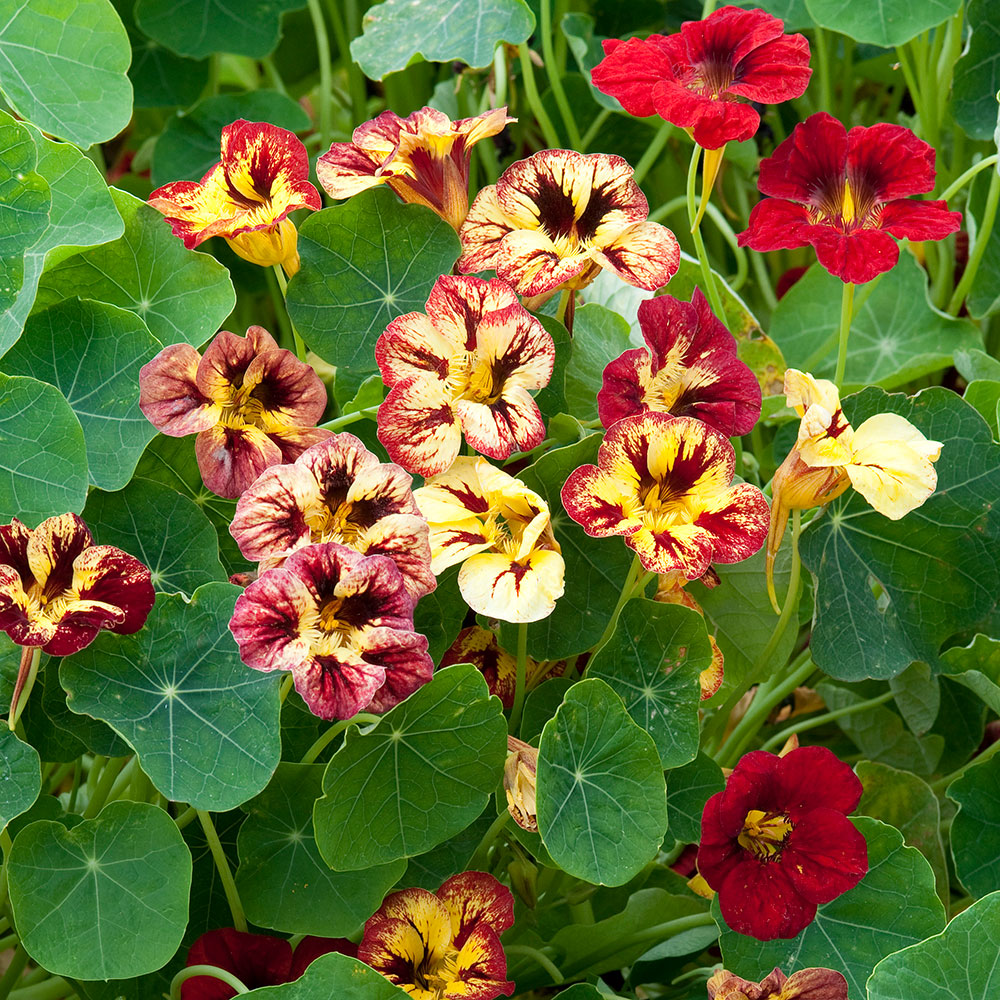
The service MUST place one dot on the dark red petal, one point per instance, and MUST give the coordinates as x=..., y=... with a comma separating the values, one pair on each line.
x=230, y=459
x=855, y=257
x=813, y=778
x=620, y=394
x=14, y=547
x=715, y=122
x=758, y=898
x=630, y=70
x=775, y=72
x=476, y=897
x=889, y=162
x=824, y=855
x=919, y=220
x=776, y=224
x=255, y=959
x=339, y=685
x=718, y=848
x=310, y=948
x=729, y=401
x=105, y=573
x=664, y=321
x=403, y=655
x=810, y=163
x=728, y=35
x=752, y=785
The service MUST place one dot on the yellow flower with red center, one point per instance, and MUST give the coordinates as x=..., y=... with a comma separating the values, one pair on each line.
x=443, y=945
x=246, y=197
x=424, y=158
x=501, y=533
x=558, y=217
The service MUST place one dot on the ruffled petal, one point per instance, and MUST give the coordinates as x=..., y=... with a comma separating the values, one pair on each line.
x=418, y=426
x=776, y=224
x=774, y=72
x=600, y=502
x=854, y=257
x=169, y=395
x=270, y=516
x=760, y=899
x=714, y=121
x=481, y=968
x=889, y=161
x=403, y=655
x=405, y=540
x=481, y=232
x=339, y=684
x=533, y=264
x=645, y=254
x=919, y=220
x=737, y=522
x=825, y=855
x=810, y=165
x=51, y=550
x=526, y=590
x=801, y=792
x=513, y=423
x=630, y=70
x=413, y=347
x=230, y=459
x=458, y=305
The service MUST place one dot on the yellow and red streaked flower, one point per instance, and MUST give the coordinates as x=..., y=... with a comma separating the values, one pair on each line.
x=246, y=197
x=342, y=623
x=251, y=403
x=846, y=194
x=671, y=588
x=558, y=217
x=336, y=491
x=443, y=945
x=664, y=484
x=806, y=984
x=469, y=364
x=501, y=533
x=424, y=158
x=688, y=368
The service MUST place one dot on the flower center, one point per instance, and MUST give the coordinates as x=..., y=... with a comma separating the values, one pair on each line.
x=343, y=523
x=764, y=833
x=435, y=975
x=243, y=408
x=848, y=209
x=471, y=378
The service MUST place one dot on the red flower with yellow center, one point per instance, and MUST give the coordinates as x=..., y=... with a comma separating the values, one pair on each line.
x=777, y=841
x=424, y=158
x=846, y=194
x=443, y=945
x=342, y=623
x=664, y=484
x=558, y=217
x=467, y=365
x=246, y=197
x=704, y=77
x=251, y=403
x=806, y=984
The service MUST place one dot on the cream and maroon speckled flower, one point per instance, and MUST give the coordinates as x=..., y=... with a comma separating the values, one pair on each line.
x=246, y=197
x=806, y=984
x=500, y=531
x=424, y=158
x=342, y=623
x=443, y=945
x=468, y=364
x=336, y=491
x=664, y=483
x=558, y=217
x=251, y=403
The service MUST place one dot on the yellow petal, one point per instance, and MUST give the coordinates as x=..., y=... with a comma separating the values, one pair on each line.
x=802, y=391
x=892, y=477
x=525, y=591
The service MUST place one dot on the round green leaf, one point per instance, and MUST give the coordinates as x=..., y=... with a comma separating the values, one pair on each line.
x=20, y=776
x=882, y=22
x=688, y=789
x=977, y=73
x=975, y=830
x=107, y=899
x=424, y=773
x=977, y=667
x=599, y=336
x=894, y=906
x=204, y=725
x=334, y=975
x=601, y=797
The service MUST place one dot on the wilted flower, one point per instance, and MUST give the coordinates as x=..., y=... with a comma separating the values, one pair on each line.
x=806, y=984
x=519, y=782
x=336, y=491
x=558, y=217
x=467, y=365
x=777, y=841
x=251, y=403
x=245, y=198
x=688, y=368
x=342, y=623
x=424, y=158
x=443, y=945
x=671, y=589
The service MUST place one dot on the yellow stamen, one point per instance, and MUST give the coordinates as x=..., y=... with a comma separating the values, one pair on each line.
x=764, y=833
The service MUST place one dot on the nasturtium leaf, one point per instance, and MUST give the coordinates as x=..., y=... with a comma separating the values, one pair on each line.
x=364, y=263
x=977, y=73
x=975, y=830
x=429, y=870
x=599, y=337
x=161, y=528
x=86, y=733
x=199, y=28
x=208, y=905
x=62, y=66
x=894, y=906
x=181, y=295
x=896, y=335
x=601, y=797
x=419, y=777
x=937, y=571
x=974, y=364
x=92, y=352
x=961, y=723
x=334, y=975
x=105, y=900
x=282, y=880
x=977, y=667
x=792, y=12
x=20, y=776
x=652, y=662
x=204, y=725
x=439, y=30
x=960, y=963
x=688, y=789
x=578, y=29
x=984, y=395
x=43, y=456
x=882, y=22
x=917, y=693
x=540, y=704
x=984, y=295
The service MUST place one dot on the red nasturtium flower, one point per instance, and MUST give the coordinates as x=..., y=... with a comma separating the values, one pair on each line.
x=245, y=198
x=424, y=158
x=560, y=216
x=443, y=945
x=806, y=984
x=846, y=194
x=467, y=365
x=251, y=403
x=704, y=77
x=342, y=623
x=688, y=368
x=777, y=841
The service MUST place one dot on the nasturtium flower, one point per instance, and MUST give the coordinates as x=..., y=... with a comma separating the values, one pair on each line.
x=671, y=588
x=704, y=77
x=443, y=945
x=664, y=484
x=335, y=491
x=846, y=194
x=251, y=403
x=246, y=197
x=424, y=158
x=688, y=368
x=777, y=841
x=519, y=774
x=806, y=984
x=500, y=531
x=469, y=364
x=342, y=623
x=558, y=217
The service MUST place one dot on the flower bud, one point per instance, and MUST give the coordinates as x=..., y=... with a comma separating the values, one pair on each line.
x=275, y=245
x=519, y=783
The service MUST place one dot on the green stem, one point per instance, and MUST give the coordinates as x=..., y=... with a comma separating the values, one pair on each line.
x=500, y=76
x=204, y=970
x=325, y=72
x=952, y=189
x=633, y=574
x=346, y=419
x=982, y=238
x=653, y=151
x=103, y=790
x=343, y=31
x=531, y=90
x=820, y=44
x=13, y=973
x=27, y=674
x=479, y=857
x=942, y=784
x=846, y=315
x=594, y=129
x=300, y=347
x=273, y=76
x=708, y=279
x=225, y=874
x=520, y=682
x=555, y=82
x=51, y=989
x=541, y=959
x=763, y=277
x=361, y=719
x=820, y=720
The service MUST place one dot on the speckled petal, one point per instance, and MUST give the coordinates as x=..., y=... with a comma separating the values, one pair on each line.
x=231, y=459
x=270, y=515
x=481, y=232
x=418, y=426
x=513, y=423
x=52, y=548
x=403, y=655
x=481, y=968
x=338, y=685
x=169, y=395
x=413, y=347
x=404, y=538
x=475, y=898
x=534, y=264
x=645, y=254
x=524, y=591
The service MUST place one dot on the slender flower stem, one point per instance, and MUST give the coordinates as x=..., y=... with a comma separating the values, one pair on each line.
x=55, y=988
x=325, y=739
x=956, y=185
x=225, y=874
x=346, y=419
x=982, y=238
x=521, y=678
x=555, y=77
x=531, y=90
x=481, y=853
x=343, y=31
x=26, y=675
x=102, y=791
x=821, y=43
x=635, y=584
x=821, y=720
x=594, y=129
x=13, y=973
x=500, y=76
x=653, y=151
x=325, y=72
x=846, y=315
x=942, y=784
x=539, y=958
x=205, y=970
x=285, y=687
x=708, y=279
x=300, y=347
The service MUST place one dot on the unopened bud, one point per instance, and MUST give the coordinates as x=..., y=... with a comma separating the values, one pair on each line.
x=519, y=783
x=524, y=880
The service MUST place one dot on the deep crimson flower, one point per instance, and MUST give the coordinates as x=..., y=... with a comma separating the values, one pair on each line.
x=777, y=841
x=845, y=194
x=696, y=78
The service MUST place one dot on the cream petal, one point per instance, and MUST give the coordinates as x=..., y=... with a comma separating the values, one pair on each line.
x=524, y=591
x=412, y=346
x=533, y=264
x=481, y=232
x=802, y=391
x=645, y=254
x=455, y=494
x=418, y=426
x=513, y=423
x=893, y=477
x=888, y=427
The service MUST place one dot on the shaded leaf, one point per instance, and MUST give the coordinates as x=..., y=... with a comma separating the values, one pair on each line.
x=977, y=667
x=977, y=73
x=334, y=975
x=688, y=789
x=20, y=776
x=599, y=337
x=975, y=830
x=882, y=22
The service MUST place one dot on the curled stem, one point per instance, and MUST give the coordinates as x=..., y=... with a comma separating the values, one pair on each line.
x=204, y=970
x=325, y=739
